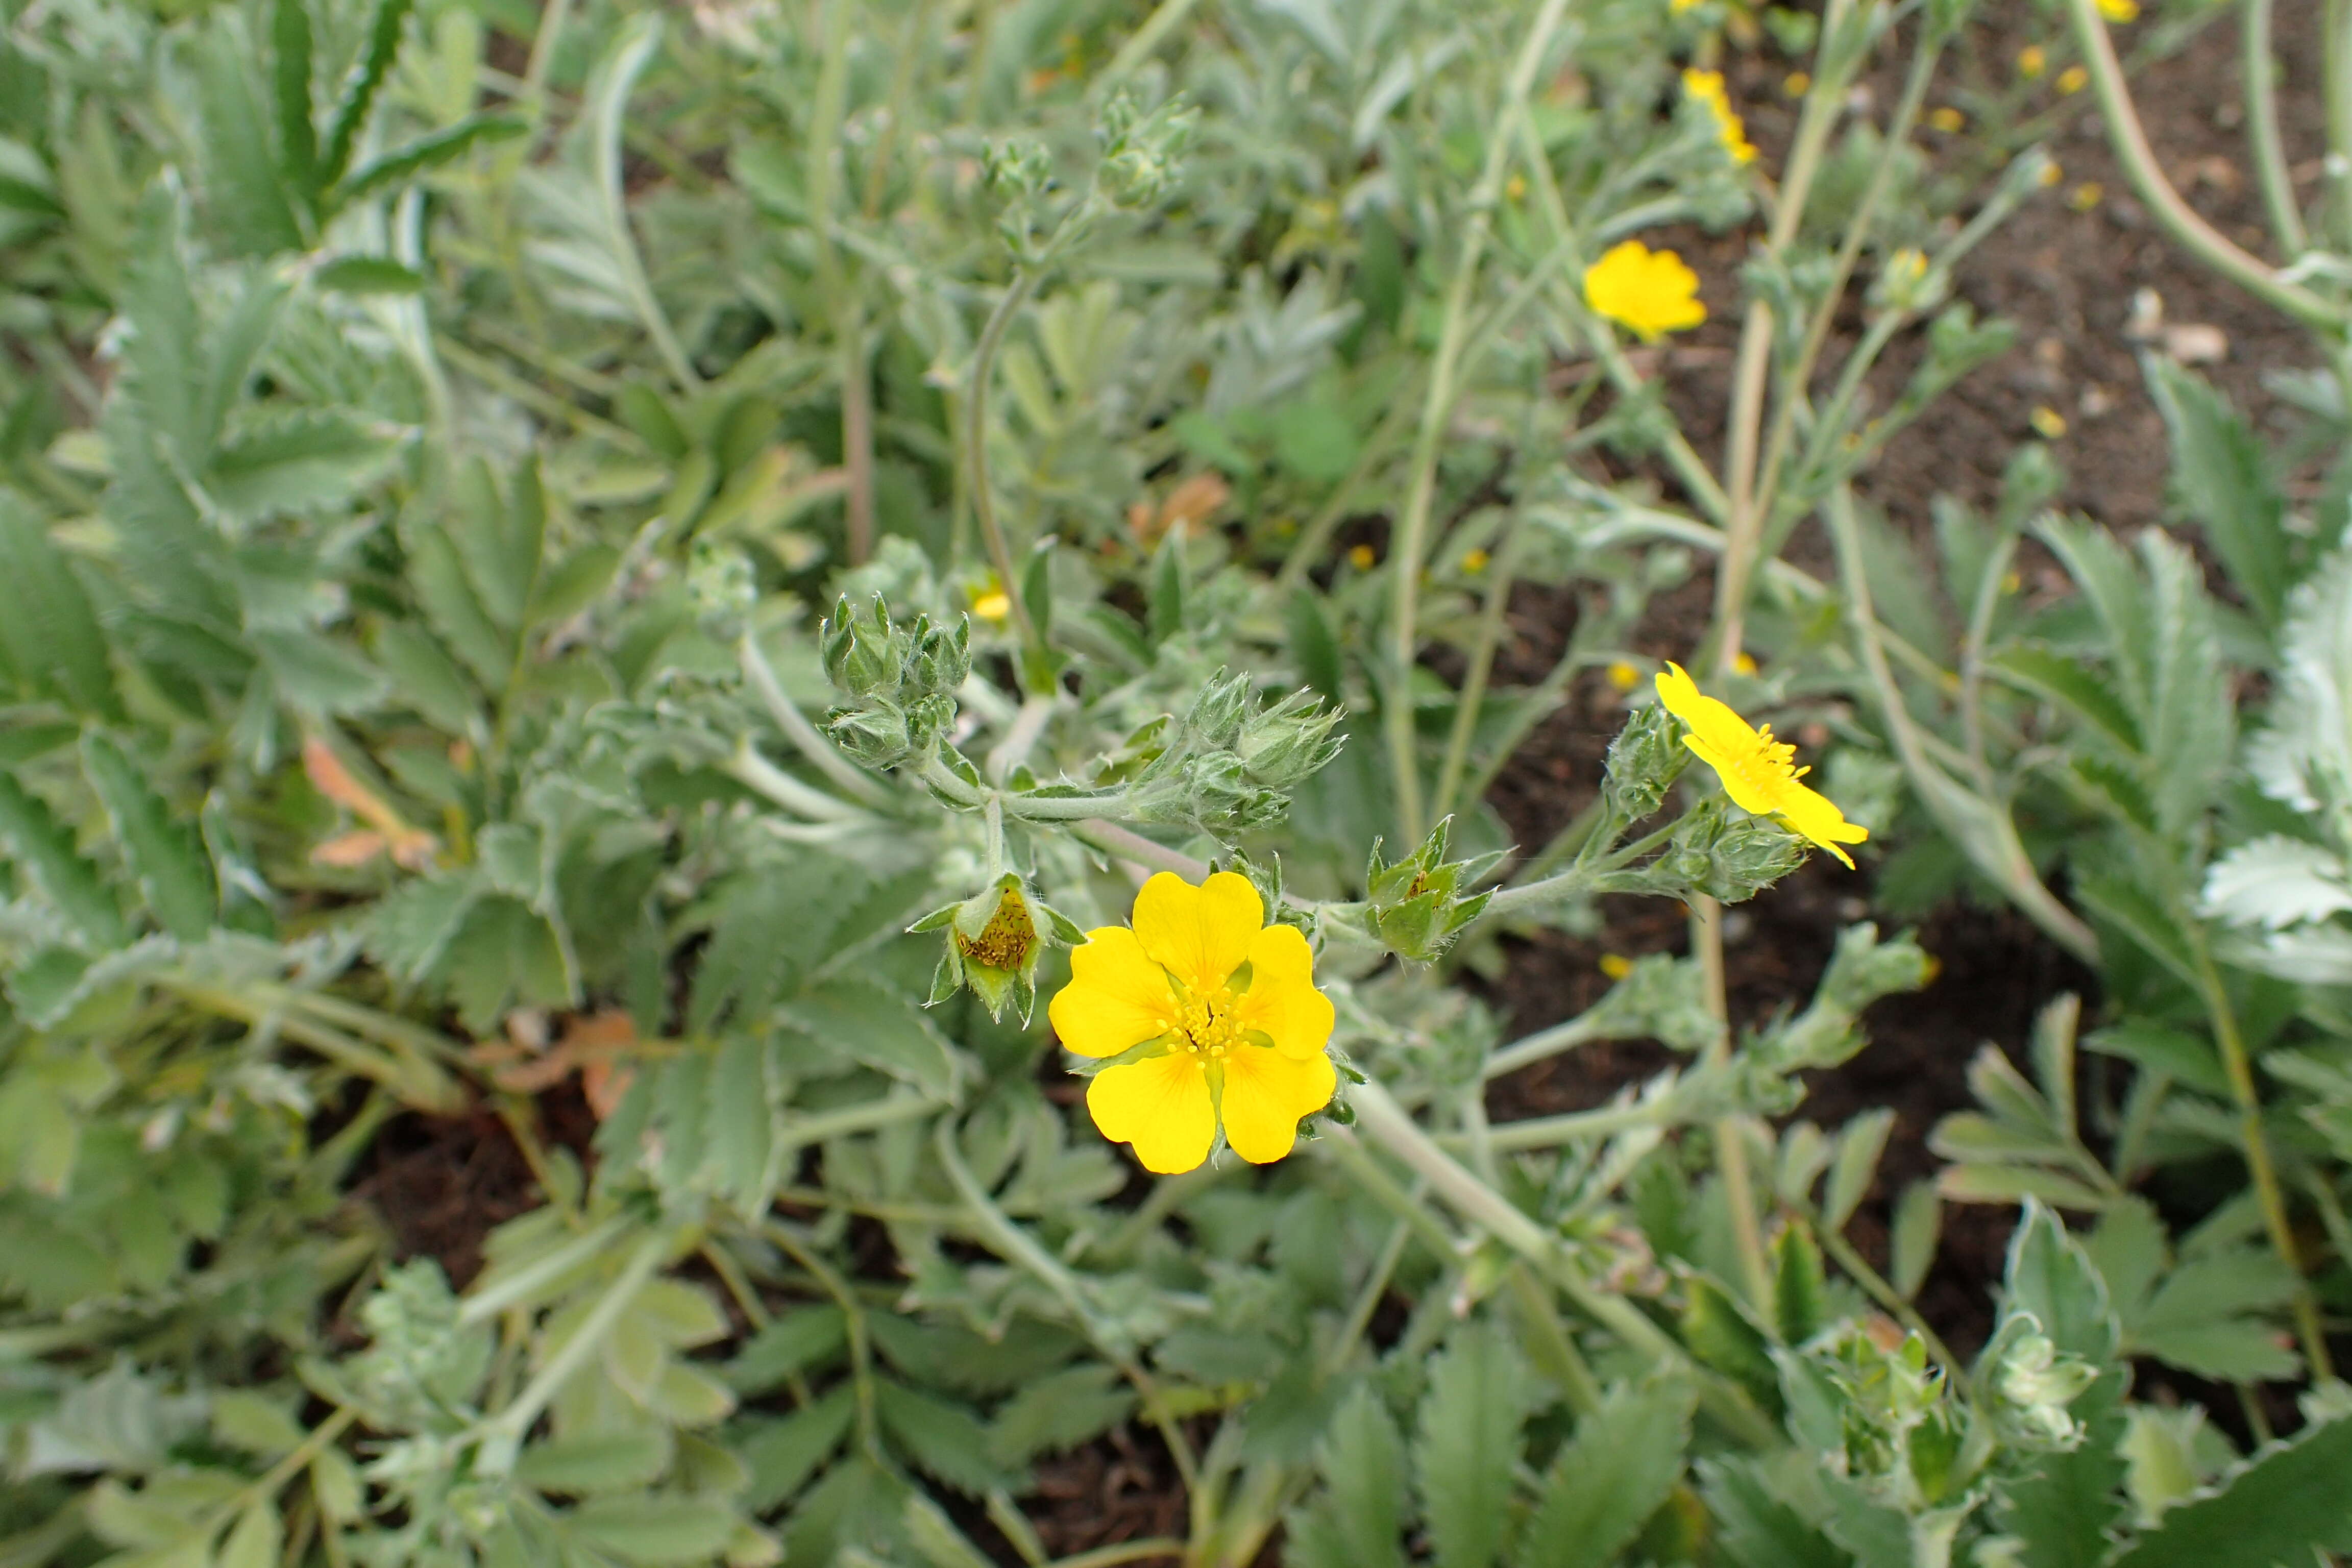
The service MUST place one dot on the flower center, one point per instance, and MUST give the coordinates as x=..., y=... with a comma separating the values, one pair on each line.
x=1203, y=1027
x=1768, y=763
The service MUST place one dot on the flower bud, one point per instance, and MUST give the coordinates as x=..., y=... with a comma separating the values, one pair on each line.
x=1288, y=742
x=1416, y=906
x=994, y=943
x=864, y=653
x=1644, y=759
x=875, y=735
x=942, y=657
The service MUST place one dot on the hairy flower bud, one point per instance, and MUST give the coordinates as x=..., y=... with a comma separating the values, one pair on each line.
x=1644, y=759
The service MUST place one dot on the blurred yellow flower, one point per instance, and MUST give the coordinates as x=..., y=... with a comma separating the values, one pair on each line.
x=1215, y=1016
x=1624, y=676
x=2031, y=61
x=1757, y=770
x=1649, y=292
x=1615, y=965
x=1707, y=88
x=993, y=604
x=1797, y=85
x=2047, y=422
x=1474, y=562
x=2073, y=79
x=1743, y=663
x=1361, y=557
x=1946, y=118
x=2119, y=11
x=2085, y=195
x=2051, y=174
x=1682, y=5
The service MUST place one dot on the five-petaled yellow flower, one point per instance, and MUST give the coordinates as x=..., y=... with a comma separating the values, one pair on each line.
x=1650, y=292
x=1707, y=88
x=1225, y=1011
x=1755, y=768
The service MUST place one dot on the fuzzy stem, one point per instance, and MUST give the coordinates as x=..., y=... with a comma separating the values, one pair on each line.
x=975, y=424
x=2239, y=1067
x=2179, y=219
x=2261, y=68
x=1436, y=413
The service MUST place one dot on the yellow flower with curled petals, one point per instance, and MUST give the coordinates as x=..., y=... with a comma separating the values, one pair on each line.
x=1756, y=769
x=1650, y=292
x=1215, y=1017
x=1707, y=88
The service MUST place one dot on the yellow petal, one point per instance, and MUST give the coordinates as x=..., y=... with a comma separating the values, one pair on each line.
x=1816, y=818
x=1745, y=792
x=1201, y=934
x=1712, y=720
x=1117, y=997
x=1282, y=1002
x=1266, y=1094
x=1161, y=1106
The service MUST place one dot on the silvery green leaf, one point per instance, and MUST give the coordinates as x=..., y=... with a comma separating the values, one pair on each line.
x=2277, y=881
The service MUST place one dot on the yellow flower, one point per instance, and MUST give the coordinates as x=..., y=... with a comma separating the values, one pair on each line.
x=1474, y=562
x=992, y=604
x=1754, y=767
x=2031, y=61
x=1797, y=85
x=2073, y=79
x=1361, y=557
x=1218, y=1017
x=1650, y=292
x=2119, y=11
x=1946, y=118
x=2085, y=195
x=1743, y=663
x=1616, y=965
x=1682, y=5
x=2051, y=174
x=1624, y=676
x=2048, y=423
x=1707, y=88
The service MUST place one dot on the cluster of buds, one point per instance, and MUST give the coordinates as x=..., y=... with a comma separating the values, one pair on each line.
x=1417, y=906
x=994, y=941
x=902, y=682
x=1229, y=765
x=1142, y=151
x=1879, y=1412
x=1729, y=858
x=2029, y=1382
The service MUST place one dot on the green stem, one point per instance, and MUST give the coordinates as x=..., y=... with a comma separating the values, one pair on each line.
x=975, y=427
x=1436, y=414
x=2179, y=220
x=2261, y=71
x=1730, y=1131
x=2336, y=92
x=1552, y=1346
x=1122, y=1551
x=632, y=58
x=508, y=1428
x=804, y=736
x=1502, y=571
x=1742, y=526
x=2239, y=1067
x=852, y=1318
x=1127, y=844
x=1857, y=234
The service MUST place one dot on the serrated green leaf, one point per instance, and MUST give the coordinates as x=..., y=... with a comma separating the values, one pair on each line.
x=653, y=1531
x=1722, y=1336
x=1356, y=1521
x=883, y=1029
x=48, y=632
x=2053, y=675
x=320, y=676
x=1625, y=1457
x=2286, y=1503
x=1799, y=1289
x=1059, y=1411
x=361, y=88
x=290, y=62
x=166, y=855
x=597, y=1462
x=1468, y=1443
x=2222, y=477
x=38, y=842
x=798, y=1342
x=295, y=461
x=243, y=191
x=944, y=1440
x=253, y=1540
x=425, y=153
x=783, y=1454
x=1754, y=1528
x=1860, y=1144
